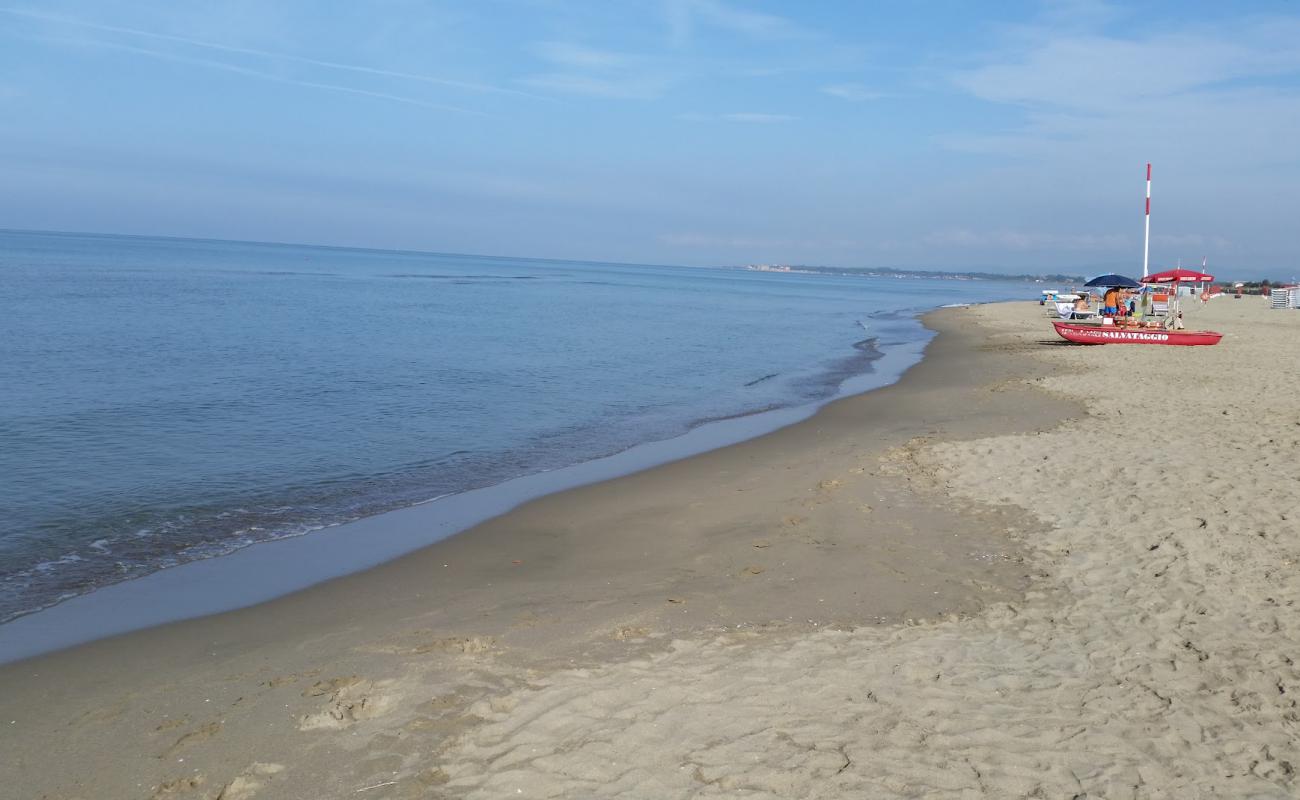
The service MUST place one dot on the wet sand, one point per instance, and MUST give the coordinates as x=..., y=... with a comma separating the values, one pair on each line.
x=665, y=634
x=1155, y=657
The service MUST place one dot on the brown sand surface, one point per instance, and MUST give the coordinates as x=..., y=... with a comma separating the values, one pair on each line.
x=1156, y=659
x=842, y=608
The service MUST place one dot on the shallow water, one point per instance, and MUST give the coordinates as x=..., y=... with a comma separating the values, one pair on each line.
x=164, y=400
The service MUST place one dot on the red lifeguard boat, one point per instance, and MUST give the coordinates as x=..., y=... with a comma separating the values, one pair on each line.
x=1121, y=330
x=1084, y=333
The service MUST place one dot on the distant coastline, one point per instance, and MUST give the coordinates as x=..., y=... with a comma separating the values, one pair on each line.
x=923, y=274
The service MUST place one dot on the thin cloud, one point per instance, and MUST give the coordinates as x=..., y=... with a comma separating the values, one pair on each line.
x=750, y=242
x=583, y=70
x=574, y=55
x=248, y=51
x=758, y=118
x=1026, y=240
x=716, y=240
x=1191, y=240
x=1179, y=93
x=750, y=23
x=1092, y=72
x=853, y=92
x=683, y=15
x=629, y=88
x=739, y=116
x=253, y=73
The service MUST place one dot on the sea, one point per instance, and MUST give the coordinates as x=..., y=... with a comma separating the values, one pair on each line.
x=168, y=400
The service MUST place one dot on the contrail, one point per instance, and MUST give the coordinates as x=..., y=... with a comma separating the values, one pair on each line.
x=252, y=73
x=248, y=51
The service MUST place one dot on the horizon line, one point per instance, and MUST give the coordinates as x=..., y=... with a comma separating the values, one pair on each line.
x=370, y=248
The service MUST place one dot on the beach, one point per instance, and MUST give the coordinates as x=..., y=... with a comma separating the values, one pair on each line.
x=1026, y=569
x=465, y=385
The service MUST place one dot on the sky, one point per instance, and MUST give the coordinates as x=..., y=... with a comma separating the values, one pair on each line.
x=940, y=134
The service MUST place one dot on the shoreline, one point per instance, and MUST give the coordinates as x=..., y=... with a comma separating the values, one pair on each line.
x=254, y=573
x=1153, y=656
x=792, y=532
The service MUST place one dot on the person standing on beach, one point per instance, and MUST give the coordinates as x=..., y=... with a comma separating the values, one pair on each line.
x=1110, y=303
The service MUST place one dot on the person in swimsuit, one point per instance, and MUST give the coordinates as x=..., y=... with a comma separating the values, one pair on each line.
x=1110, y=303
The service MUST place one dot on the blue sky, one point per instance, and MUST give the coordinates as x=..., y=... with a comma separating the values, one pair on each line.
x=943, y=134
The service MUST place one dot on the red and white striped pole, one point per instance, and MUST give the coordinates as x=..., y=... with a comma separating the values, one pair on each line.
x=1146, y=246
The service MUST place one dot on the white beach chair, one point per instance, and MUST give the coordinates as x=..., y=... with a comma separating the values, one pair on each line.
x=1064, y=310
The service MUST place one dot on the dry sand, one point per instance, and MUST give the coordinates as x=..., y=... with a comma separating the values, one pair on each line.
x=838, y=609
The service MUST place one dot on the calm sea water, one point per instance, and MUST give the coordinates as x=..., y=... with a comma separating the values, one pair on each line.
x=165, y=400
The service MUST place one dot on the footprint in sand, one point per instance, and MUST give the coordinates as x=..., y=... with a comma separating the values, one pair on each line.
x=247, y=784
x=434, y=776
x=193, y=737
x=631, y=632
x=169, y=724
x=348, y=700
x=177, y=787
x=101, y=715
x=823, y=492
x=467, y=645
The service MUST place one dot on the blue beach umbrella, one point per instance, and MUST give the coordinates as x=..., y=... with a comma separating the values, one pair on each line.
x=1118, y=281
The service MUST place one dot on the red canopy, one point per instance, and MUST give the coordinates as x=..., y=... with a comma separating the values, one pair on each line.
x=1177, y=275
